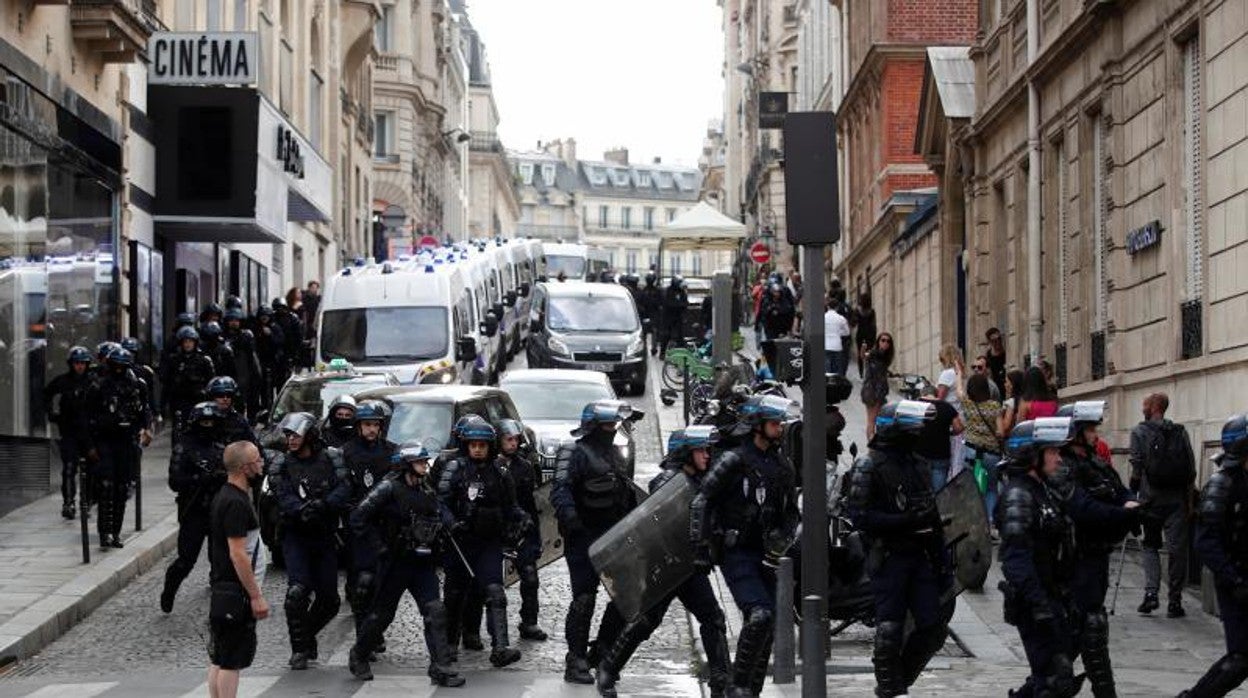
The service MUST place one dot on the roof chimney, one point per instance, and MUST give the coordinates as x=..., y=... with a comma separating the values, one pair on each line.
x=618, y=156
x=658, y=161
x=568, y=153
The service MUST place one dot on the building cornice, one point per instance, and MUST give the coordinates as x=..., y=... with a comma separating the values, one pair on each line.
x=873, y=64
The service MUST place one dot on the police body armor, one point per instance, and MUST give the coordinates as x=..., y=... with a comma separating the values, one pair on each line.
x=67, y=406
x=312, y=479
x=894, y=483
x=187, y=375
x=1030, y=513
x=605, y=494
x=756, y=510
x=196, y=473
x=123, y=401
x=525, y=477
x=478, y=495
x=1224, y=510
x=369, y=465
x=1102, y=483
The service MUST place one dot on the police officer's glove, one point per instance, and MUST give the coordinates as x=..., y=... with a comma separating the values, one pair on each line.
x=702, y=558
x=311, y=511
x=572, y=527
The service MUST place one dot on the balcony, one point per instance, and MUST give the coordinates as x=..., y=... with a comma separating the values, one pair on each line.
x=548, y=232
x=483, y=142
x=117, y=30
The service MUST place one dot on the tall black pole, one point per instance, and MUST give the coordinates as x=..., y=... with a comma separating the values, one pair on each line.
x=814, y=483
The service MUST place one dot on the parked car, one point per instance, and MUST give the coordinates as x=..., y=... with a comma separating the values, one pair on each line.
x=314, y=392
x=427, y=413
x=586, y=326
x=550, y=403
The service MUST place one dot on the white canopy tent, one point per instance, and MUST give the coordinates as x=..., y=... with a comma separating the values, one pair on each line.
x=701, y=228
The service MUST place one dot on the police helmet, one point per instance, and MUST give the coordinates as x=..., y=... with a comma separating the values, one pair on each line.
x=342, y=401
x=103, y=349
x=1029, y=438
x=120, y=358
x=1235, y=435
x=903, y=419
x=478, y=431
x=213, y=308
x=278, y=304
x=510, y=427
x=264, y=311
x=465, y=422
x=1084, y=412
x=369, y=411
x=222, y=386
x=211, y=331
x=605, y=412
x=234, y=314
x=131, y=344
x=233, y=303
x=78, y=355
x=204, y=412
x=185, y=333
x=300, y=424
x=412, y=452
x=678, y=281
x=764, y=408
x=184, y=320
x=682, y=442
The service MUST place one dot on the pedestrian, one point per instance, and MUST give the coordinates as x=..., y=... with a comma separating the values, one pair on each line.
x=865, y=336
x=482, y=499
x=1163, y=471
x=402, y=513
x=750, y=497
x=312, y=486
x=311, y=306
x=757, y=291
x=950, y=387
x=985, y=442
x=1037, y=549
x=980, y=366
x=526, y=474
x=591, y=493
x=671, y=326
x=236, y=560
x=1038, y=399
x=1014, y=381
x=1222, y=543
x=892, y=502
x=184, y=376
x=118, y=426
x=196, y=474
x=835, y=330
x=1099, y=528
x=934, y=446
x=65, y=400
x=878, y=359
x=995, y=358
x=369, y=459
x=847, y=340
x=292, y=336
x=688, y=455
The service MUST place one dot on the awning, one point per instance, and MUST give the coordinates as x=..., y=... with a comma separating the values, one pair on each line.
x=702, y=228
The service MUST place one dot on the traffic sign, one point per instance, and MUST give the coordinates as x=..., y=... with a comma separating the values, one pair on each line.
x=429, y=241
x=760, y=253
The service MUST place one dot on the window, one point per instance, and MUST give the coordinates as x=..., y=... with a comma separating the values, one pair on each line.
x=630, y=263
x=648, y=217
x=696, y=258
x=611, y=259
x=671, y=215
x=548, y=175
x=240, y=15
x=287, y=76
x=526, y=173
x=675, y=262
x=626, y=217
x=620, y=177
x=383, y=33
x=643, y=179
x=383, y=140
x=214, y=15
x=316, y=98
x=603, y=211
x=654, y=260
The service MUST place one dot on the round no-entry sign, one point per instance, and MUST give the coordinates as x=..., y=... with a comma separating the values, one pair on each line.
x=429, y=241
x=759, y=253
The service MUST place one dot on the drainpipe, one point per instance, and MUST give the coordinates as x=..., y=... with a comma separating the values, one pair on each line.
x=1035, y=314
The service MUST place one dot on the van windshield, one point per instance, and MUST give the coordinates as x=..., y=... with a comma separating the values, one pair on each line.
x=572, y=267
x=384, y=335
x=592, y=314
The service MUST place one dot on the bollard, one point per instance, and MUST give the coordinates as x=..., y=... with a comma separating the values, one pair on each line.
x=84, y=511
x=813, y=670
x=138, y=501
x=784, y=670
x=684, y=373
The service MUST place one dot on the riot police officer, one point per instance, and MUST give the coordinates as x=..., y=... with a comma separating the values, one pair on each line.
x=526, y=474
x=482, y=498
x=688, y=455
x=675, y=303
x=312, y=486
x=403, y=515
x=1222, y=540
x=1101, y=508
x=591, y=493
x=196, y=473
x=1037, y=556
x=214, y=345
x=223, y=390
x=649, y=305
x=102, y=350
x=891, y=501
x=369, y=459
x=65, y=400
x=247, y=369
x=270, y=350
x=184, y=376
x=144, y=372
x=339, y=426
x=119, y=419
x=211, y=313
x=292, y=333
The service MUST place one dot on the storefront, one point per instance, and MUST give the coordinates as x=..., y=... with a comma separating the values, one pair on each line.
x=59, y=179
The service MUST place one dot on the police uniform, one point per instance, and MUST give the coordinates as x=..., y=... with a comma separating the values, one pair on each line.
x=482, y=498
x=271, y=352
x=1222, y=540
x=312, y=493
x=526, y=476
x=196, y=474
x=751, y=494
x=184, y=376
x=405, y=517
x=65, y=400
x=368, y=462
x=337, y=431
x=590, y=494
x=892, y=503
x=119, y=412
x=247, y=369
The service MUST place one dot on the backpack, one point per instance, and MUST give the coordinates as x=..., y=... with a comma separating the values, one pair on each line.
x=1168, y=461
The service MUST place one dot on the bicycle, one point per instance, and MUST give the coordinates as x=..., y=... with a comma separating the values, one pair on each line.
x=697, y=358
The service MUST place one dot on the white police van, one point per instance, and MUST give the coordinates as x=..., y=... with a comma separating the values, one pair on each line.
x=566, y=259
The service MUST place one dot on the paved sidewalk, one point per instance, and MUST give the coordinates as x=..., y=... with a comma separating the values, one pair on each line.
x=44, y=587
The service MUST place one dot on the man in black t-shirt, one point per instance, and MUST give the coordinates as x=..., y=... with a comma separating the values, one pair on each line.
x=934, y=445
x=236, y=556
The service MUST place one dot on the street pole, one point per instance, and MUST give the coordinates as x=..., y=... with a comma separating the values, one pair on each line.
x=814, y=483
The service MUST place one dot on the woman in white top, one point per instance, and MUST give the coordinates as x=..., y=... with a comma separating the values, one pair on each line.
x=951, y=387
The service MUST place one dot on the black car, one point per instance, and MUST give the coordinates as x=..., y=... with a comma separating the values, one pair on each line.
x=426, y=413
x=586, y=326
x=313, y=392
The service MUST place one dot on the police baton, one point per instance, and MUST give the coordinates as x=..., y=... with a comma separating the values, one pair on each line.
x=462, y=559
x=1122, y=559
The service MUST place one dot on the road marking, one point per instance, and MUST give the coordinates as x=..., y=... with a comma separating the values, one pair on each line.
x=77, y=690
x=248, y=687
x=388, y=686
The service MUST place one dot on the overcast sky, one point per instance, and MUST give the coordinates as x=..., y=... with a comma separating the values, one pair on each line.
x=644, y=74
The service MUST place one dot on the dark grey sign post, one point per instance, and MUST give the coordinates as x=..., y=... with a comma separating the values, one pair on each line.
x=813, y=222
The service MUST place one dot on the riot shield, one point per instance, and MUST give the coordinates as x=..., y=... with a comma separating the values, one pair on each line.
x=966, y=530
x=647, y=555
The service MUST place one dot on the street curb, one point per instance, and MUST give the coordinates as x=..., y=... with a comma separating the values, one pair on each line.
x=40, y=624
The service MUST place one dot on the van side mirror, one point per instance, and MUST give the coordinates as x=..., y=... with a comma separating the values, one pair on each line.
x=509, y=299
x=524, y=289
x=465, y=350
x=489, y=326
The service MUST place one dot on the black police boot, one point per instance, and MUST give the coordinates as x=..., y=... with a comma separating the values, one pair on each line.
x=1223, y=677
x=576, y=631
x=759, y=677
x=528, y=605
x=104, y=517
x=1175, y=609
x=440, y=671
x=718, y=661
x=1150, y=603
x=1095, y=652
x=609, y=629
x=890, y=678
x=324, y=610
x=454, y=604
x=297, y=626
x=502, y=653
x=753, y=646
x=474, y=607
x=68, y=511
x=358, y=664
x=615, y=657
x=920, y=647
x=174, y=577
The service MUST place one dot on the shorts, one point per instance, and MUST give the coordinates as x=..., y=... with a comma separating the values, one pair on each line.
x=232, y=646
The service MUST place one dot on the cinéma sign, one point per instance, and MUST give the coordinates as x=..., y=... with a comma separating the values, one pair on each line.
x=203, y=58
